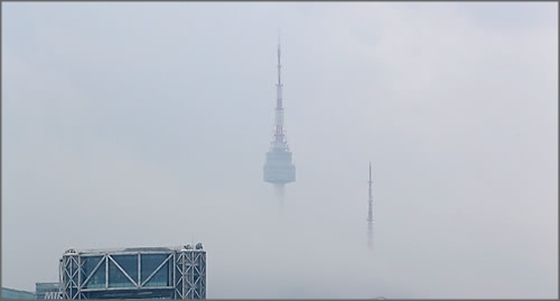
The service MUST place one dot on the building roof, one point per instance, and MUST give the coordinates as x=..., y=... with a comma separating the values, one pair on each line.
x=9, y=293
x=197, y=248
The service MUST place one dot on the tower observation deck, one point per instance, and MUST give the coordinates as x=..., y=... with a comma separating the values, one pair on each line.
x=279, y=169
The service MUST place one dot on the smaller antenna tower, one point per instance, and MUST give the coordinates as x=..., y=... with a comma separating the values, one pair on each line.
x=370, y=212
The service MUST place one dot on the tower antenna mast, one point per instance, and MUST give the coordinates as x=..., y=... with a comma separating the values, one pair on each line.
x=370, y=211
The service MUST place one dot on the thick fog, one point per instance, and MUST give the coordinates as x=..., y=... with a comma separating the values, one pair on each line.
x=146, y=124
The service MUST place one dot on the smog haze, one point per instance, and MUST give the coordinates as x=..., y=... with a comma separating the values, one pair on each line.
x=147, y=124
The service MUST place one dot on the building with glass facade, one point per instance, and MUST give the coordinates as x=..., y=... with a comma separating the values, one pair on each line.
x=48, y=290
x=134, y=273
x=8, y=293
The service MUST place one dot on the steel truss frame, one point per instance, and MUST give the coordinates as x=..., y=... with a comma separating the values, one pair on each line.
x=187, y=273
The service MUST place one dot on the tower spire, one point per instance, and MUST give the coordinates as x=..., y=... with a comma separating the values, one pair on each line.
x=279, y=65
x=279, y=140
x=370, y=211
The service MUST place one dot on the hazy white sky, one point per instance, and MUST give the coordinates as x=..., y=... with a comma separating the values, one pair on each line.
x=146, y=124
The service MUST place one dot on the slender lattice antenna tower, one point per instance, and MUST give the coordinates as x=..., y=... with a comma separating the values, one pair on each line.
x=370, y=212
x=279, y=169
